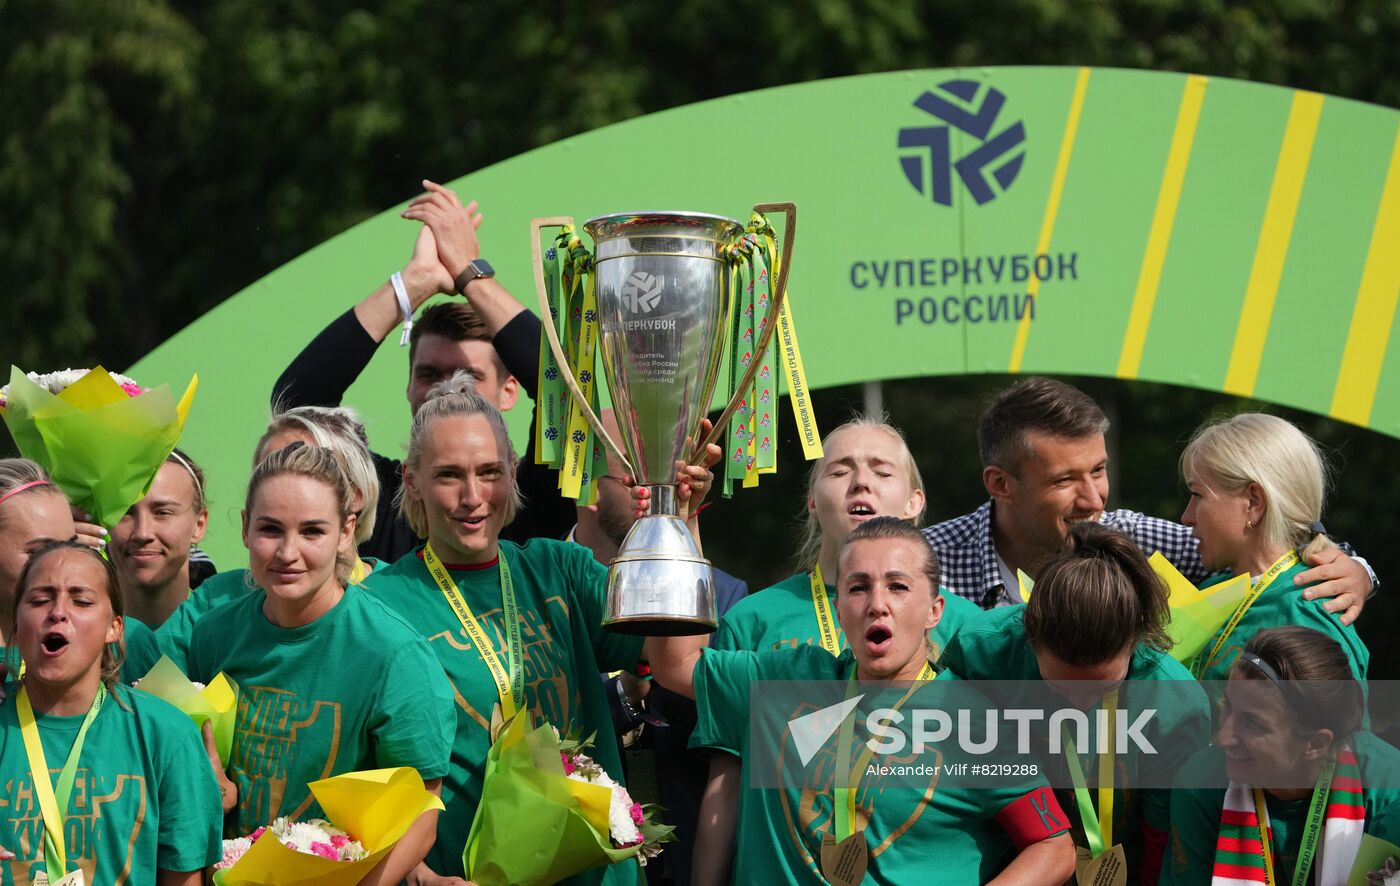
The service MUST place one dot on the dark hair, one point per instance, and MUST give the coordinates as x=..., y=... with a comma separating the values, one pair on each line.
x=894, y=527
x=1097, y=597
x=113, y=654
x=1035, y=404
x=454, y=321
x=1315, y=677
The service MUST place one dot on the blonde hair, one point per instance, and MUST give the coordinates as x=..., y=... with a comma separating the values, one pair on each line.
x=1286, y=463
x=318, y=463
x=811, y=543
x=339, y=429
x=455, y=396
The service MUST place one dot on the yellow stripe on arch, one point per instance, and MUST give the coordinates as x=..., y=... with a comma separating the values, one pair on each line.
x=1272, y=248
x=1052, y=209
x=1160, y=234
x=1374, y=314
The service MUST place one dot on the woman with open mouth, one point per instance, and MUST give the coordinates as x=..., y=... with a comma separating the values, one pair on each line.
x=887, y=602
x=150, y=545
x=1304, y=782
x=541, y=605
x=33, y=510
x=335, y=428
x=330, y=680
x=1256, y=486
x=133, y=799
x=1095, y=625
x=866, y=471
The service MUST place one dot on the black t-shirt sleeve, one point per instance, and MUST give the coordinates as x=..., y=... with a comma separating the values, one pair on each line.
x=327, y=367
x=518, y=344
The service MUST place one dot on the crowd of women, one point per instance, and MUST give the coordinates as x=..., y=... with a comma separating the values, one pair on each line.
x=347, y=663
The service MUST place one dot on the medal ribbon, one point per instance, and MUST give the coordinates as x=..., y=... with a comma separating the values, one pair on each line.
x=1317, y=810
x=1098, y=829
x=1281, y=565
x=53, y=808
x=843, y=798
x=510, y=677
x=552, y=395
x=827, y=632
x=574, y=479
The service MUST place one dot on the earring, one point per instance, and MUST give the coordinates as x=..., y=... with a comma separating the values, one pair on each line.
x=1248, y=525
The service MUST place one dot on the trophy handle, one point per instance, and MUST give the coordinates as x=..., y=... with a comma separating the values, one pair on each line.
x=789, y=235
x=552, y=334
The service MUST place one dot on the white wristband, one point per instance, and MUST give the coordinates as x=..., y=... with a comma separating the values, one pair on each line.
x=404, y=307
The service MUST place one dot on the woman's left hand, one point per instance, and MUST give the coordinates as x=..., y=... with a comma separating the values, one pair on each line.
x=693, y=482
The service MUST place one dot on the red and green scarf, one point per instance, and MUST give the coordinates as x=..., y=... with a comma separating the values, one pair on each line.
x=1239, y=849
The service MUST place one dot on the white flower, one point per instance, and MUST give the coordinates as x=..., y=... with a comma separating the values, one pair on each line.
x=624, y=830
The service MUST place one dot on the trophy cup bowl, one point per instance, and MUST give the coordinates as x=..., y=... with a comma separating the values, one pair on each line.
x=662, y=282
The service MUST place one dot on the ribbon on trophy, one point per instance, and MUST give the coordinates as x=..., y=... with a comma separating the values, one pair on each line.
x=564, y=438
x=752, y=434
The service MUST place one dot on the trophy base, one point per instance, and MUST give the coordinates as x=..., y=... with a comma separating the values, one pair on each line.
x=659, y=585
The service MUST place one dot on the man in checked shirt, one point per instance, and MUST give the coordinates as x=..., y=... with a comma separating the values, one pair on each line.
x=1045, y=467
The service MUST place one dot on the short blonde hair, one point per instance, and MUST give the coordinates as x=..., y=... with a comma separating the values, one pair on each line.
x=455, y=396
x=811, y=543
x=339, y=429
x=1286, y=463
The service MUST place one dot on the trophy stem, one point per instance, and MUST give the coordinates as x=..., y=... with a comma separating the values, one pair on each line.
x=663, y=501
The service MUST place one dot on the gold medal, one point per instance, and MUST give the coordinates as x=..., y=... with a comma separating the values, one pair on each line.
x=1110, y=868
x=844, y=863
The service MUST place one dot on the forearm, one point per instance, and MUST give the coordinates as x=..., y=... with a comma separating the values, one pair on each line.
x=713, y=859
x=673, y=661
x=408, y=853
x=179, y=878
x=492, y=302
x=379, y=311
x=327, y=367
x=1048, y=862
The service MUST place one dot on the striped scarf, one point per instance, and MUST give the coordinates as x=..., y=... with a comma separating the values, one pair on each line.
x=1239, y=854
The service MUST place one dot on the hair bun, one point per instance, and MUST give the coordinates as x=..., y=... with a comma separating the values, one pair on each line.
x=461, y=382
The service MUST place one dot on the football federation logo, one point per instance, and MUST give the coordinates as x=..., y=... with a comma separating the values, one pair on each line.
x=641, y=292
x=993, y=155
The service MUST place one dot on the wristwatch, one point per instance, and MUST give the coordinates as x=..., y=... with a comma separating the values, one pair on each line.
x=477, y=269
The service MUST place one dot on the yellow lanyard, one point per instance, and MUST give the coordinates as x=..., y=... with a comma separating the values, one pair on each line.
x=55, y=852
x=1281, y=565
x=1098, y=830
x=827, y=631
x=510, y=677
x=1317, y=812
x=844, y=798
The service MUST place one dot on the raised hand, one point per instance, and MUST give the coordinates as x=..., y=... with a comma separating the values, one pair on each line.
x=453, y=224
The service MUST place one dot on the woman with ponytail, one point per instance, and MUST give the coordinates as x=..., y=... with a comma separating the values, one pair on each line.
x=134, y=800
x=1304, y=782
x=1096, y=623
x=1256, y=486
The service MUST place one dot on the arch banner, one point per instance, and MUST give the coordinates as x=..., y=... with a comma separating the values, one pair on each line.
x=1201, y=231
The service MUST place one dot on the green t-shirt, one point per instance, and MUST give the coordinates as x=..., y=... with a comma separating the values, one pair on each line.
x=783, y=617
x=1195, y=813
x=965, y=833
x=355, y=689
x=1283, y=604
x=993, y=646
x=144, y=798
x=174, y=634
x=559, y=589
x=142, y=650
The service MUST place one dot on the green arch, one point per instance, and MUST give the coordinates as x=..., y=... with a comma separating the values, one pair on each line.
x=1207, y=232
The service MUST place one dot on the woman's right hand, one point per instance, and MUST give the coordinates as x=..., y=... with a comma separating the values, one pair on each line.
x=425, y=876
x=228, y=791
x=89, y=533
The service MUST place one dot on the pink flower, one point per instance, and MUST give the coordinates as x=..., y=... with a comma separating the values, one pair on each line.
x=256, y=834
x=637, y=817
x=132, y=389
x=568, y=763
x=325, y=850
x=339, y=840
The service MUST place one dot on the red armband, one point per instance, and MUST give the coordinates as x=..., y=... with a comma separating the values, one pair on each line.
x=1033, y=817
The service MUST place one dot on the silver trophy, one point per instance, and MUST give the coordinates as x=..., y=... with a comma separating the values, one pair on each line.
x=664, y=301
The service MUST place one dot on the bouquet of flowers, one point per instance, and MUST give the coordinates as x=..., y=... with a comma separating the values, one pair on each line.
x=101, y=436
x=549, y=811
x=368, y=812
x=1197, y=613
x=217, y=702
x=314, y=837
